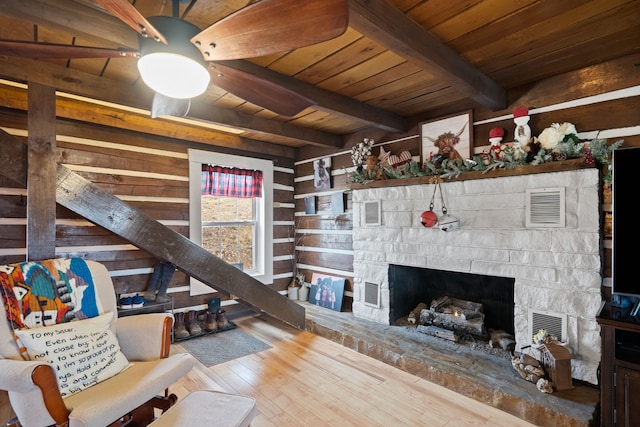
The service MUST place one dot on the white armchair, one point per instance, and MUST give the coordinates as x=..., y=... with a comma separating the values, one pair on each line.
x=129, y=397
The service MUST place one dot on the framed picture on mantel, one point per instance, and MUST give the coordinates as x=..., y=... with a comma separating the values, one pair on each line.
x=447, y=138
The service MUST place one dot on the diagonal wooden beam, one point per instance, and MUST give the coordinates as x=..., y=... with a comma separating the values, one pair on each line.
x=14, y=153
x=387, y=25
x=103, y=208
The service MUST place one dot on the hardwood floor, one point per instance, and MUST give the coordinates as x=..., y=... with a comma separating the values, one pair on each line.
x=307, y=380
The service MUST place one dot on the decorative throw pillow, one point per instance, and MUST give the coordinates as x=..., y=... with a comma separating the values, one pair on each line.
x=83, y=352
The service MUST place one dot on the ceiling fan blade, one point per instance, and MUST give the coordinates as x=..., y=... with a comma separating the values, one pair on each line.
x=163, y=105
x=128, y=14
x=271, y=26
x=35, y=50
x=259, y=91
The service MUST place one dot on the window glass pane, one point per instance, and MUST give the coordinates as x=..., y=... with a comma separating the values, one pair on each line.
x=231, y=255
x=246, y=258
x=229, y=236
x=210, y=237
x=245, y=209
x=245, y=235
x=228, y=209
x=209, y=208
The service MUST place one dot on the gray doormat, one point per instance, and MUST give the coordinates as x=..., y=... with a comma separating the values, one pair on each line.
x=223, y=346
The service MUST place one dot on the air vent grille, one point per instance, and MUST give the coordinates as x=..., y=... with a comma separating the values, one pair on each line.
x=372, y=294
x=372, y=213
x=545, y=207
x=554, y=324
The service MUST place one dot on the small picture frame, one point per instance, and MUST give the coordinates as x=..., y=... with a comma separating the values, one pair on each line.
x=322, y=174
x=327, y=291
x=447, y=137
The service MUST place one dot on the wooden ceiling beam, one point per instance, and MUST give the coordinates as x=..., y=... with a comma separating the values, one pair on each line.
x=328, y=101
x=384, y=23
x=94, y=24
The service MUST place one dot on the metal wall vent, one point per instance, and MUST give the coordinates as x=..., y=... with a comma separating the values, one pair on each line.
x=372, y=213
x=372, y=294
x=545, y=207
x=554, y=323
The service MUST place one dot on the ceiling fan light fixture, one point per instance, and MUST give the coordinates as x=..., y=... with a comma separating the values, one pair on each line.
x=173, y=75
x=176, y=69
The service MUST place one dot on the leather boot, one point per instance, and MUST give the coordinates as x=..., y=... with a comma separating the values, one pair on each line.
x=192, y=323
x=223, y=323
x=168, y=269
x=152, y=289
x=210, y=322
x=179, y=328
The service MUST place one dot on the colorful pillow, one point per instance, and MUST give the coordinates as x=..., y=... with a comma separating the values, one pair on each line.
x=83, y=352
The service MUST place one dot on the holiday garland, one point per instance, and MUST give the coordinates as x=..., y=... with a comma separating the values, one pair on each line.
x=556, y=143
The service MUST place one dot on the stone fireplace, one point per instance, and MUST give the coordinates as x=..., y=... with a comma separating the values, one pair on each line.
x=554, y=271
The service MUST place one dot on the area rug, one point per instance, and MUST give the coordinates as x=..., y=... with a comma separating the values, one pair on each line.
x=223, y=346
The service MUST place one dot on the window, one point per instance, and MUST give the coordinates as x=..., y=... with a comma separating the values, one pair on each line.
x=237, y=229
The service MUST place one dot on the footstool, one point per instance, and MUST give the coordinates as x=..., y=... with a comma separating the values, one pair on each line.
x=211, y=409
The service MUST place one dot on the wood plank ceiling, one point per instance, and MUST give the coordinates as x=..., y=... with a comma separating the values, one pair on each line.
x=398, y=60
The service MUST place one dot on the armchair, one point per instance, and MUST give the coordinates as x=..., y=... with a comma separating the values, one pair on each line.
x=127, y=398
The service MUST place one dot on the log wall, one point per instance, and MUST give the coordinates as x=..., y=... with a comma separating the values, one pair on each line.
x=151, y=174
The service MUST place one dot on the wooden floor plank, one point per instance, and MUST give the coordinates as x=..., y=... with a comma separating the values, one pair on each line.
x=304, y=379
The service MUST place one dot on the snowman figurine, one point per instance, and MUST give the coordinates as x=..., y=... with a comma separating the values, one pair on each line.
x=522, y=133
x=495, y=138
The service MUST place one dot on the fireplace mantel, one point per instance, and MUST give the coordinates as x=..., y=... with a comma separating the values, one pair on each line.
x=560, y=166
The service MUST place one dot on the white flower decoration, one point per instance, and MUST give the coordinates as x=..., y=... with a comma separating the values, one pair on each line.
x=360, y=152
x=555, y=134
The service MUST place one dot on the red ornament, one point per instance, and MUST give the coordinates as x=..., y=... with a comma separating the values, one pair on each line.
x=428, y=218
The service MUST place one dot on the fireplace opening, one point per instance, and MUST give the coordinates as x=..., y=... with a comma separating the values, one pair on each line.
x=410, y=286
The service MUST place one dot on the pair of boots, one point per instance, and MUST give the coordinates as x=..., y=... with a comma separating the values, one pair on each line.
x=186, y=324
x=214, y=321
x=157, y=290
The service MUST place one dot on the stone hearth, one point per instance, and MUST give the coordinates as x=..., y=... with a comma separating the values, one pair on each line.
x=483, y=377
x=557, y=271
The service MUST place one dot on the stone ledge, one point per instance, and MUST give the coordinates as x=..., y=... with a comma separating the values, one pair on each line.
x=488, y=379
x=561, y=166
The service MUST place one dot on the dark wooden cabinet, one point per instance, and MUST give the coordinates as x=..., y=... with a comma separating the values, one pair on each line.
x=620, y=367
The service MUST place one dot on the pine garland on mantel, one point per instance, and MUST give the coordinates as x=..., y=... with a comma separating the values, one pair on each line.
x=569, y=153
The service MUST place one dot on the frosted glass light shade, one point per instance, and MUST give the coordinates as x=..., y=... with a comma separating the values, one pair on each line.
x=173, y=75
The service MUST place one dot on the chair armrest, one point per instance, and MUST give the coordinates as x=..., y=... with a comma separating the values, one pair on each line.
x=145, y=336
x=20, y=377
x=16, y=375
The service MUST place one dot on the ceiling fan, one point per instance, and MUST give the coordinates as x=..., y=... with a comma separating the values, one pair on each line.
x=261, y=28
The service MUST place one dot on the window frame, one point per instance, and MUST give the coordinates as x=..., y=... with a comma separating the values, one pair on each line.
x=264, y=210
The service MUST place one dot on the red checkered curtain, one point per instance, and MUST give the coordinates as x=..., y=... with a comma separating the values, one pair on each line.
x=231, y=182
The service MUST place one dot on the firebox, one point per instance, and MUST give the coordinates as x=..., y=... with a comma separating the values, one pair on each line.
x=409, y=286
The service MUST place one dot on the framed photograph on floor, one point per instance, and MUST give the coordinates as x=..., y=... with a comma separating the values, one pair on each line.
x=322, y=174
x=447, y=138
x=327, y=291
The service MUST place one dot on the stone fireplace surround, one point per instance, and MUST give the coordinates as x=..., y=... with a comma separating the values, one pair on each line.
x=556, y=270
